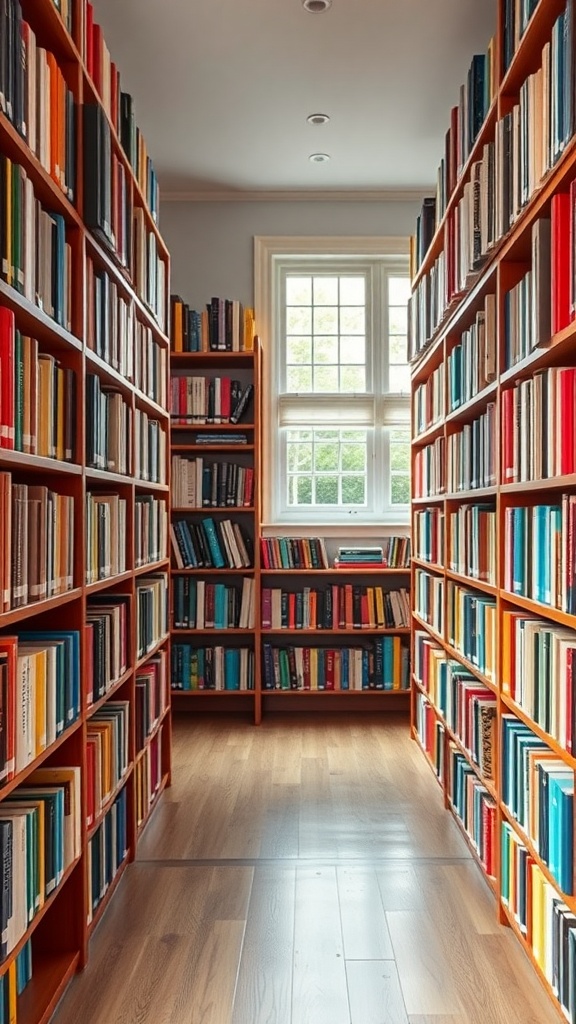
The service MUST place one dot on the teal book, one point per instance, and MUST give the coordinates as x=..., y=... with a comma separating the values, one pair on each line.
x=213, y=543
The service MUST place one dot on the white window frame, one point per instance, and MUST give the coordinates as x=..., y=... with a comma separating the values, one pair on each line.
x=270, y=253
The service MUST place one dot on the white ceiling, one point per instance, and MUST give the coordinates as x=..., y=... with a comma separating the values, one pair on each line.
x=222, y=88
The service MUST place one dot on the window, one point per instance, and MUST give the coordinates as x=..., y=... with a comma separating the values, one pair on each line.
x=337, y=388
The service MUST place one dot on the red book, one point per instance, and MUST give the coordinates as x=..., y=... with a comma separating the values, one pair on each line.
x=88, y=40
x=561, y=243
x=291, y=611
x=264, y=553
x=508, y=467
x=90, y=783
x=7, y=343
x=566, y=423
x=114, y=94
x=248, y=497
x=306, y=668
x=329, y=670
x=225, y=401
x=266, y=612
x=97, y=52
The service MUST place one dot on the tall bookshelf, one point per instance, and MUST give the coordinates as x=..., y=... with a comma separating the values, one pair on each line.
x=84, y=493
x=309, y=633
x=493, y=371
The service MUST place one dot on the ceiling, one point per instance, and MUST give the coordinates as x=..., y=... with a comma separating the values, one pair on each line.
x=222, y=89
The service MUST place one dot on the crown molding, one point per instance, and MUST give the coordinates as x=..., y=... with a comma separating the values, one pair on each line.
x=404, y=195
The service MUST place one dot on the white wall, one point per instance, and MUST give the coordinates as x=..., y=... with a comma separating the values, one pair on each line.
x=211, y=243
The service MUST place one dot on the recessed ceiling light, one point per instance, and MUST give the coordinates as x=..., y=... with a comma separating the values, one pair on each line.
x=316, y=6
x=318, y=119
x=319, y=158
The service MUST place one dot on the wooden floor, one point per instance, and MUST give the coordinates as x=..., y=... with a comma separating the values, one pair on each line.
x=303, y=873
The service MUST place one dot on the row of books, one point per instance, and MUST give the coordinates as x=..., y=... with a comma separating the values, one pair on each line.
x=107, y=754
x=475, y=808
x=340, y=606
x=150, y=529
x=150, y=374
x=34, y=95
x=473, y=542
x=118, y=105
x=199, y=483
x=466, y=705
x=212, y=668
x=471, y=365
x=37, y=544
x=107, y=850
x=107, y=618
x=293, y=553
x=538, y=672
x=431, y=734
x=428, y=478
x=380, y=665
x=517, y=14
x=544, y=920
x=471, y=453
x=40, y=690
x=538, y=790
x=211, y=544
x=529, y=307
x=37, y=397
x=149, y=270
x=225, y=325
x=427, y=307
x=200, y=604
x=538, y=553
x=108, y=427
x=151, y=611
x=35, y=257
x=429, y=534
x=106, y=527
x=364, y=556
x=40, y=837
x=539, y=426
x=471, y=627
x=428, y=401
x=150, y=448
x=13, y=982
x=147, y=777
x=107, y=197
x=208, y=399
x=429, y=599
x=152, y=696
x=473, y=225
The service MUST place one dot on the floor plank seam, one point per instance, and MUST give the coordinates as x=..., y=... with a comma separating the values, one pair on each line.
x=254, y=862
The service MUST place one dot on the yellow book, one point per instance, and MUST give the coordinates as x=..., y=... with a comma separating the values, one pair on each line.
x=396, y=663
x=538, y=899
x=379, y=596
x=249, y=328
x=45, y=404
x=313, y=668
x=371, y=607
x=178, y=333
x=12, y=993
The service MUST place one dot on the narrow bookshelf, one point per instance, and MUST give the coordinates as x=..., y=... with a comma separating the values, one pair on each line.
x=215, y=508
x=84, y=497
x=493, y=456
x=334, y=631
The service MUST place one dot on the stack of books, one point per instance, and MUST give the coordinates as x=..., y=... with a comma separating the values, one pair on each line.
x=359, y=558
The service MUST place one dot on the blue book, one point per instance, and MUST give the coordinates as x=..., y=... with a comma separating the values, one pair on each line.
x=365, y=669
x=560, y=825
x=213, y=543
x=232, y=668
x=388, y=662
x=519, y=550
x=345, y=668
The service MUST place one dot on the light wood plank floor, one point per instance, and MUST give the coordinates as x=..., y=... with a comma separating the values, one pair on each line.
x=303, y=872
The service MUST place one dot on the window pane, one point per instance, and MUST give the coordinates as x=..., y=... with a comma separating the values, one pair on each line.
x=398, y=290
x=325, y=319
x=326, y=457
x=304, y=435
x=353, y=350
x=400, y=457
x=326, y=350
x=326, y=379
x=352, y=320
x=399, y=320
x=327, y=490
x=298, y=291
x=400, y=490
x=299, y=378
x=299, y=457
x=353, y=490
x=354, y=457
x=398, y=350
x=352, y=378
x=325, y=291
x=399, y=436
x=299, y=350
x=298, y=320
x=303, y=490
x=354, y=435
x=352, y=291
x=399, y=380
x=326, y=435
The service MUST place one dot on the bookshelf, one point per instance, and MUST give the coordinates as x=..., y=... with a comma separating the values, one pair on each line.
x=84, y=495
x=215, y=508
x=493, y=372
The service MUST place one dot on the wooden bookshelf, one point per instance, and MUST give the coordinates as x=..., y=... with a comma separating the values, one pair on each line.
x=98, y=610
x=494, y=481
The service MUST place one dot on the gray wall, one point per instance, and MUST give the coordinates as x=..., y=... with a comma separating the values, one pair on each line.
x=211, y=243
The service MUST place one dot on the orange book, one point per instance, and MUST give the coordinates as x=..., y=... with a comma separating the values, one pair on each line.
x=348, y=607
x=54, y=115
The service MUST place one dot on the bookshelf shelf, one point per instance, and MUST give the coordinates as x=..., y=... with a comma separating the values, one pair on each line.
x=82, y=333
x=519, y=425
x=357, y=632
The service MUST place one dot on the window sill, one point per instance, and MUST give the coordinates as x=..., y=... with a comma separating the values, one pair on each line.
x=345, y=529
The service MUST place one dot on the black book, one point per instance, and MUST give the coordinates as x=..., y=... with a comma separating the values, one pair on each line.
x=97, y=174
x=10, y=58
x=3, y=54
x=241, y=405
